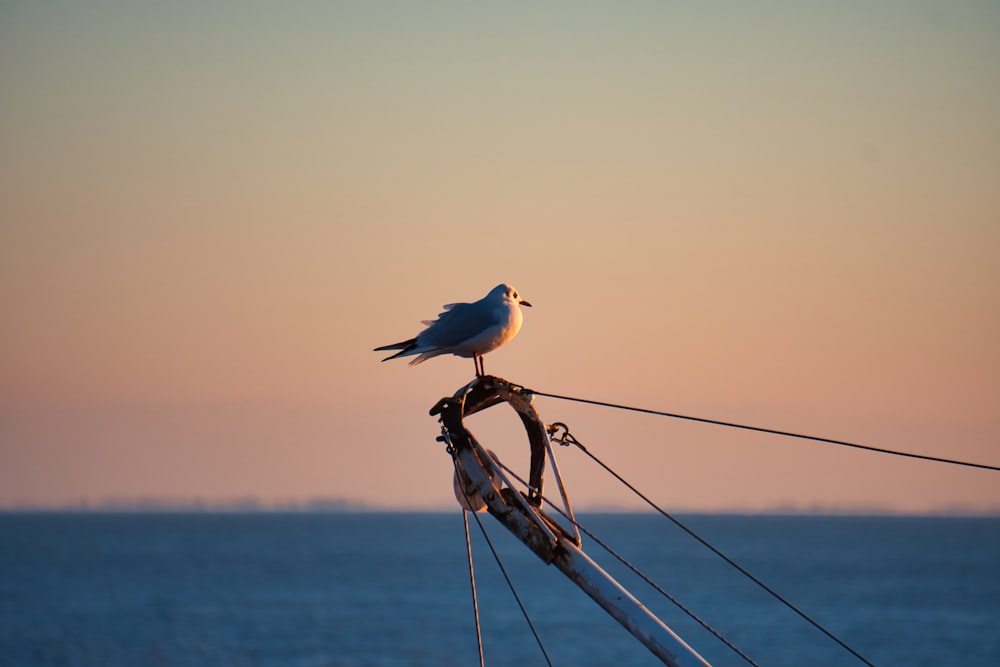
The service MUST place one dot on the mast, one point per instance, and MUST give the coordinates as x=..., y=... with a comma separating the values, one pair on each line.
x=484, y=482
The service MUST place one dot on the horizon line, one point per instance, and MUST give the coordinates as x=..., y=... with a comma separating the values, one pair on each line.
x=251, y=505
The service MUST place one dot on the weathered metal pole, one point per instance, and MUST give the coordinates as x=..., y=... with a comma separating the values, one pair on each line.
x=540, y=533
x=624, y=608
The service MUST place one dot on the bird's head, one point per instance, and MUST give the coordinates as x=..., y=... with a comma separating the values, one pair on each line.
x=507, y=292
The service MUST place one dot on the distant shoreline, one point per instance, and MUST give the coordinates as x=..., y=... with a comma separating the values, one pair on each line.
x=319, y=508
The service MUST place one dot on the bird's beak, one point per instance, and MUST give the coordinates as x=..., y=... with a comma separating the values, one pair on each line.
x=524, y=303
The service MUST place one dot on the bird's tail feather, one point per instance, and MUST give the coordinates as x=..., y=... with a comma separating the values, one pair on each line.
x=404, y=348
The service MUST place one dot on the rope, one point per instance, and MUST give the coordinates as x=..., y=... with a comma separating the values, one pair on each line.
x=569, y=439
x=787, y=434
x=472, y=581
x=718, y=635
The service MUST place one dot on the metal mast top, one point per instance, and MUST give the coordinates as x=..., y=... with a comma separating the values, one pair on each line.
x=484, y=482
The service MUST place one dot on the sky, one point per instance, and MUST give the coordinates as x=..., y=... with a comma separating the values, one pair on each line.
x=785, y=214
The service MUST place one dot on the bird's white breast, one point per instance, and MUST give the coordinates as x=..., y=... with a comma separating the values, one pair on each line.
x=508, y=324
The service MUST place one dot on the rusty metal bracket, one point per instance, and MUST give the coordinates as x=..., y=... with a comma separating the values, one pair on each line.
x=485, y=392
x=519, y=514
x=522, y=515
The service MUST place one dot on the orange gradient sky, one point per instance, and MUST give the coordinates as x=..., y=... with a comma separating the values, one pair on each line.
x=785, y=214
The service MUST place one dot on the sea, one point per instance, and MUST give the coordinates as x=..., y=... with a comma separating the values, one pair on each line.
x=301, y=589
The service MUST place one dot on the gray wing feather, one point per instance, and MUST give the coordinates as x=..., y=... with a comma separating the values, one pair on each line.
x=458, y=323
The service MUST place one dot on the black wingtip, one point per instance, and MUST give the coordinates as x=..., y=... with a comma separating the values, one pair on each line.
x=406, y=344
x=404, y=347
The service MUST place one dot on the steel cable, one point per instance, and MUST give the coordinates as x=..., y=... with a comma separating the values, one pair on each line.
x=503, y=571
x=642, y=575
x=572, y=440
x=759, y=429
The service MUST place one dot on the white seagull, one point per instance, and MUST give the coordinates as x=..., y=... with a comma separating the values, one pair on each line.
x=467, y=329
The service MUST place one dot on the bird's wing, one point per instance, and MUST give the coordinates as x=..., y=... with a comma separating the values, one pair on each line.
x=447, y=307
x=458, y=323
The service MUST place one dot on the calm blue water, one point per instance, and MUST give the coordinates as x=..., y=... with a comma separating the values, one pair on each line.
x=393, y=589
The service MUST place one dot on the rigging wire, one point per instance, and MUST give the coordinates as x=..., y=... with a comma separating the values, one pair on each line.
x=642, y=575
x=503, y=570
x=759, y=429
x=510, y=584
x=472, y=581
x=568, y=439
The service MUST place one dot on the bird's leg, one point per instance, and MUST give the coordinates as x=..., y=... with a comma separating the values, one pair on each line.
x=478, y=361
